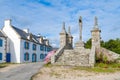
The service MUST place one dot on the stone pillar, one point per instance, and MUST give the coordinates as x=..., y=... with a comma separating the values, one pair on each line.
x=69, y=31
x=96, y=38
x=96, y=34
x=80, y=25
x=92, y=57
x=63, y=36
x=70, y=39
x=80, y=43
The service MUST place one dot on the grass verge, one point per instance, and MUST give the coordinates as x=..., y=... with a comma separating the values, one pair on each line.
x=2, y=65
x=48, y=65
x=101, y=67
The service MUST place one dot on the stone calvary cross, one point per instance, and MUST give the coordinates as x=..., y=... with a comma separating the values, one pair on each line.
x=80, y=25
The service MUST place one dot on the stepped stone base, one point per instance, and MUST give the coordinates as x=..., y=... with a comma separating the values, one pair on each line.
x=76, y=57
x=79, y=44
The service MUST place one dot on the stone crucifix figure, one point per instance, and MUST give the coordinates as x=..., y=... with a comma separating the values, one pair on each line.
x=80, y=25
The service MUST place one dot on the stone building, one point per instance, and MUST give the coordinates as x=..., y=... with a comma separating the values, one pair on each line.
x=79, y=56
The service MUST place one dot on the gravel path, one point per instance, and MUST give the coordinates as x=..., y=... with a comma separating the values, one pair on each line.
x=62, y=73
x=20, y=71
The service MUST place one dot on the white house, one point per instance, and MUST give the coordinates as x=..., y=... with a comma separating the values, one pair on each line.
x=23, y=46
x=3, y=42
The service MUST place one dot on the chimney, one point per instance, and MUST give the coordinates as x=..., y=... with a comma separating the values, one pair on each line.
x=41, y=40
x=7, y=22
x=29, y=36
x=26, y=30
x=47, y=42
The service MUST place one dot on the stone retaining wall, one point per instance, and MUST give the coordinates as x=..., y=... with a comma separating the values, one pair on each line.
x=111, y=56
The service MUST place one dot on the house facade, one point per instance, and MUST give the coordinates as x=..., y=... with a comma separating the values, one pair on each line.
x=23, y=46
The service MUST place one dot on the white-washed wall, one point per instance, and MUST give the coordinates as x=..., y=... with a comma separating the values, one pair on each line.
x=31, y=51
x=14, y=45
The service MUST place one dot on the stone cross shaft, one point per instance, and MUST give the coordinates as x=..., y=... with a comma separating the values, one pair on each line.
x=96, y=22
x=80, y=25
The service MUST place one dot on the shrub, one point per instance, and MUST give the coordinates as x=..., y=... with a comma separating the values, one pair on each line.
x=105, y=60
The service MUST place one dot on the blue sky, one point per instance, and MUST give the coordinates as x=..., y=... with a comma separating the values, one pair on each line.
x=46, y=17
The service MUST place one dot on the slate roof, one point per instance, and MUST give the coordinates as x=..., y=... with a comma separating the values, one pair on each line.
x=25, y=35
x=22, y=33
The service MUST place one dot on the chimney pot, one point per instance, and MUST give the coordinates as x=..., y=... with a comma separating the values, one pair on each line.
x=7, y=22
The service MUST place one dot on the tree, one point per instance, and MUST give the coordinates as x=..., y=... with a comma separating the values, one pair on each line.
x=88, y=44
x=113, y=45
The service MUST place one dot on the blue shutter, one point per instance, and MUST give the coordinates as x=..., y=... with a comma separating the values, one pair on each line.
x=25, y=45
x=41, y=47
x=25, y=56
x=48, y=49
x=28, y=56
x=28, y=45
x=1, y=42
x=0, y=56
x=44, y=48
x=33, y=46
x=41, y=56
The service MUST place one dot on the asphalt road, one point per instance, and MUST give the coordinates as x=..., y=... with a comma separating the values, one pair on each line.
x=20, y=71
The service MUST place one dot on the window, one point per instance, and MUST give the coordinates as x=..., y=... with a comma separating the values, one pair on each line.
x=1, y=42
x=41, y=47
x=45, y=48
x=0, y=56
x=26, y=56
x=26, y=45
x=41, y=56
x=34, y=46
x=34, y=57
x=48, y=49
